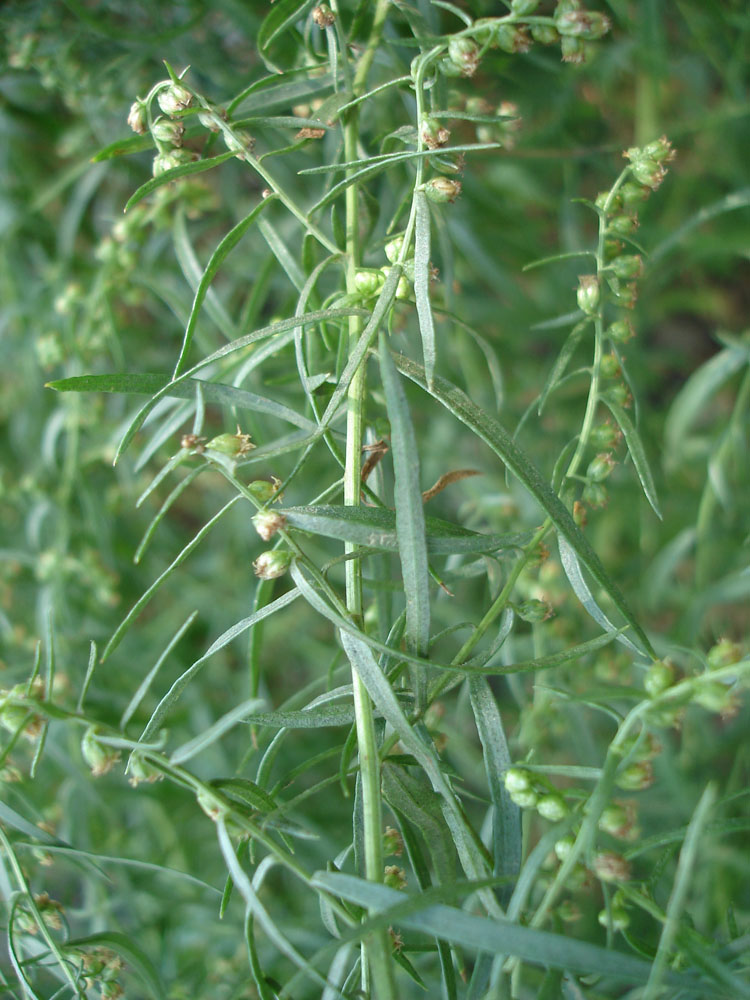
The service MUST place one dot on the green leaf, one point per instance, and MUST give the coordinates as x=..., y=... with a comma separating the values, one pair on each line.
x=422, y=282
x=228, y=721
x=494, y=434
x=184, y=170
x=213, y=392
x=122, y=147
x=636, y=450
x=283, y=15
x=561, y=363
x=495, y=936
x=410, y=523
x=375, y=527
x=559, y=256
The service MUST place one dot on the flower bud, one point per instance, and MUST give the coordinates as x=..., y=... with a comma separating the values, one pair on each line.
x=658, y=677
x=620, y=394
x=433, y=133
x=622, y=225
x=579, y=514
x=323, y=16
x=552, y=807
x=168, y=161
x=564, y=846
x=394, y=877
x=633, y=194
x=267, y=523
x=442, y=189
x=510, y=38
x=628, y=266
x=393, y=248
x=463, y=53
x=393, y=843
x=101, y=759
x=573, y=49
x=272, y=564
x=625, y=295
x=168, y=131
x=240, y=142
x=714, y=697
x=606, y=201
x=368, y=282
x=611, y=867
x=262, y=490
x=609, y=366
x=545, y=34
x=403, y=289
x=138, y=117
x=595, y=495
x=620, y=331
x=568, y=911
x=724, y=654
x=517, y=780
x=600, y=467
x=604, y=436
x=660, y=150
x=586, y=24
x=174, y=99
x=234, y=445
x=140, y=770
x=619, y=918
x=534, y=610
x=588, y=293
x=635, y=777
x=618, y=820
x=211, y=805
x=648, y=172
x=523, y=6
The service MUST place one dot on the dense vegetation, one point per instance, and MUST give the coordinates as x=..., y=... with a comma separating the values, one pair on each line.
x=374, y=594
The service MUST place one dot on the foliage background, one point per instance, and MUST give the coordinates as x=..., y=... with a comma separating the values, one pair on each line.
x=75, y=300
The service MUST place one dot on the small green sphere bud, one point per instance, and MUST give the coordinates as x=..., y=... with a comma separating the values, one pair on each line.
x=586, y=24
x=272, y=564
x=393, y=843
x=174, y=99
x=464, y=54
x=714, y=697
x=568, y=911
x=240, y=142
x=517, y=780
x=564, y=846
x=523, y=6
x=168, y=161
x=168, y=131
x=620, y=331
x=600, y=467
x=628, y=266
x=510, y=38
x=619, y=917
x=648, y=172
x=588, y=293
x=534, y=610
x=433, y=133
x=369, y=282
x=611, y=867
x=635, y=777
x=101, y=759
x=138, y=117
x=724, y=654
x=609, y=366
x=620, y=394
x=625, y=295
x=618, y=820
x=545, y=34
x=658, y=677
x=234, y=445
x=393, y=248
x=267, y=523
x=323, y=16
x=573, y=49
x=622, y=225
x=605, y=201
x=552, y=807
x=442, y=189
x=141, y=770
x=403, y=289
x=660, y=150
x=262, y=490
x=604, y=436
x=633, y=194
x=394, y=877
x=595, y=495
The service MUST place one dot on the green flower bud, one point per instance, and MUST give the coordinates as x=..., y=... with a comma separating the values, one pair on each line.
x=609, y=366
x=588, y=293
x=620, y=331
x=552, y=807
x=394, y=877
x=168, y=161
x=168, y=131
x=393, y=843
x=622, y=225
x=619, y=917
x=595, y=495
x=660, y=150
x=393, y=248
x=600, y=467
x=635, y=777
x=267, y=523
x=240, y=142
x=618, y=820
x=272, y=564
x=523, y=6
x=568, y=911
x=403, y=289
x=620, y=393
x=625, y=295
x=234, y=445
x=525, y=800
x=579, y=514
x=573, y=49
x=545, y=34
x=714, y=697
x=604, y=436
x=323, y=16
x=534, y=610
x=442, y=189
x=174, y=99
x=433, y=133
x=633, y=194
x=611, y=867
x=564, y=846
x=368, y=282
x=585, y=24
x=463, y=53
x=511, y=38
x=658, y=677
x=101, y=759
x=724, y=654
x=517, y=780
x=609, y=203
x=138, y=117
x=647, y=172
x=262, y=490
x=628, y=266
x=140, y=770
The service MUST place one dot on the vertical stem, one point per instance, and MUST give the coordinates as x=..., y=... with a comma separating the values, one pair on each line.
x=377, y=961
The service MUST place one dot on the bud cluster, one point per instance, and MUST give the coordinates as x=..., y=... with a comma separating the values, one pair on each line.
x=529, y=791
x=714, y=694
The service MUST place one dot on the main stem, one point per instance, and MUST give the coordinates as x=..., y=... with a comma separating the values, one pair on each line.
x=377, y=962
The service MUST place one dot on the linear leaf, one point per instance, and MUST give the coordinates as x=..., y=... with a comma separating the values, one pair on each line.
x=422, y=282
x=563, y=360
x=636, y=450
x=410, y=526
x=281, y=17
x=216, y=731
x=495, y=936
x=185, y=170
x=375, y=527
x=494, y=434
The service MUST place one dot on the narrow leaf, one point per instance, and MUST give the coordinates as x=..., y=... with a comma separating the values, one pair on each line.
x=216, y=731
x=185, y=170
x=636, y=450
x=422, y=282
